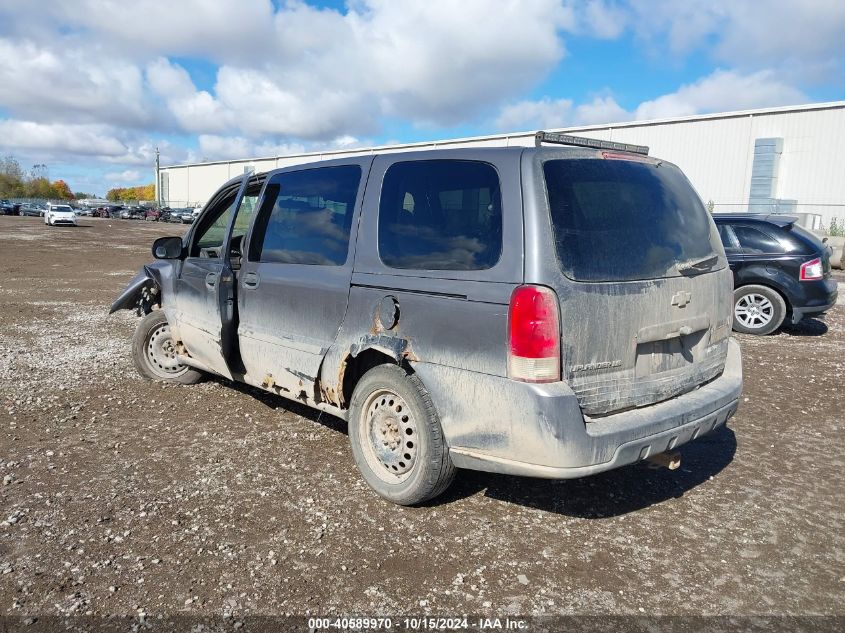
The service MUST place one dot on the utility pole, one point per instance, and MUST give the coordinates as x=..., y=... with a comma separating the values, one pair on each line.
x=157, y=181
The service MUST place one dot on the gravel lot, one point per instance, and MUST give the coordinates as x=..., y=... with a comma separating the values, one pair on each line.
x=121, y=496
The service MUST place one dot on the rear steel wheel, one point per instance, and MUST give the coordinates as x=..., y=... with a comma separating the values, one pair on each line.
x=391, y=433
x=396, y=437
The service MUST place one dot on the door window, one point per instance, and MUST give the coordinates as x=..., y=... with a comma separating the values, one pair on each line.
x=440, y=215
x=208, y=239
x=211, y=231
x=729, y=240
x=725, y=236
x=755, y=241
x=306, y=217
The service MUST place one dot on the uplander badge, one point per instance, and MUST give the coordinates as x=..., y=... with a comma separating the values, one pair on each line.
x=594, y=366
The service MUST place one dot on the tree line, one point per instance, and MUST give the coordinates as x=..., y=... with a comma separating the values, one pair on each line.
x=15, y=182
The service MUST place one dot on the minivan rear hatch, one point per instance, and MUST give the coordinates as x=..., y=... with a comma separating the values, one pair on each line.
x=645, y=295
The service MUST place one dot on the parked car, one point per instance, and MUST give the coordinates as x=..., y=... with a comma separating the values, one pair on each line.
x=59, y=214
x=187, y=217
x=9, y=208
x=176, y=215
x=31, y=210
x=550, y=312
x=781, y=271
x=152, y=215
x=136, y=213
x=108, y=211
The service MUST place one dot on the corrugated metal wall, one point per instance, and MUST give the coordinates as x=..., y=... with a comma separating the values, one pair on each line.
x=715, y=151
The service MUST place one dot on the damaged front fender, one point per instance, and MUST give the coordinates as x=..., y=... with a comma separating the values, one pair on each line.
x=142, y=291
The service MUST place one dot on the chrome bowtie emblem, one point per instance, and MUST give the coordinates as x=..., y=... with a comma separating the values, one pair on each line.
x=681, y=299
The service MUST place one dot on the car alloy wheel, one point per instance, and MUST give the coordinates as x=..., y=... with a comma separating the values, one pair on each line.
x=754, y=311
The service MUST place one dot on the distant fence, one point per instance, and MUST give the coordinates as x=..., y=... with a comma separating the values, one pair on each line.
x=181, y=204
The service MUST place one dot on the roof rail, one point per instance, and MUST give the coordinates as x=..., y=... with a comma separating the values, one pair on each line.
x=582, y=141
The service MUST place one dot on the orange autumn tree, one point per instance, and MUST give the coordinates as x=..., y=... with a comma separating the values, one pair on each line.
x=61, y=190
x=128, y=194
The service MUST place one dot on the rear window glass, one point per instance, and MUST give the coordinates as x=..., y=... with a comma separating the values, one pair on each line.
x=755, y=241
x=618, y=220
x=440, y=215
x=802, y=241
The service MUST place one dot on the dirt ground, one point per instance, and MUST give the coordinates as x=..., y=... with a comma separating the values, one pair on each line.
x=121, y=496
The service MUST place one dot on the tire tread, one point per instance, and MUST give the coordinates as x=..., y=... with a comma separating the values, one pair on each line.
x=440, y=471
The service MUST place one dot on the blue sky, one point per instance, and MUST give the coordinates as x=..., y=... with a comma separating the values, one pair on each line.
x=92, y=87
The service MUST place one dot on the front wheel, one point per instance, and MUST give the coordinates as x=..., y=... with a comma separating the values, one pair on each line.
x=758, y=310
x=154, y=353
x=396, y=437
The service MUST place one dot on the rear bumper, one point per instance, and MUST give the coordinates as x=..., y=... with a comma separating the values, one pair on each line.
x=820, y=298
x=498, y=425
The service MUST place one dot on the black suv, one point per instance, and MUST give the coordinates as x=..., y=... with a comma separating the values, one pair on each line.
x=780, y=270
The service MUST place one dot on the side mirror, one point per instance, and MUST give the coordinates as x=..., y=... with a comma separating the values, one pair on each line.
x=167, y=248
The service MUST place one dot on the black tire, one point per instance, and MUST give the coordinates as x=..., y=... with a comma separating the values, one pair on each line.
x=412, y=438
x=758, y=310
x=153, y=355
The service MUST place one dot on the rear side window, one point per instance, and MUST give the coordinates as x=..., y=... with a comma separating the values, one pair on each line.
x=440, y=215
x=306, y=217
x=727, y=237
x=801, y=241
x=619, y=220
x=756, y=241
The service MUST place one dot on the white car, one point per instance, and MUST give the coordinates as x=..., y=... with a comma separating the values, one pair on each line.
x=59, y=214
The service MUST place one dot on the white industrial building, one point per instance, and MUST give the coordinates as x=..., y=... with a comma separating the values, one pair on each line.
x=787, y=159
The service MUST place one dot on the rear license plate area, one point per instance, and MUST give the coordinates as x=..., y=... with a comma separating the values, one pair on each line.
x=658, y=356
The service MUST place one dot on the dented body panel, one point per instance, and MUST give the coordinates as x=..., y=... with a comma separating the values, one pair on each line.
x=157, y=276
x=646, y=364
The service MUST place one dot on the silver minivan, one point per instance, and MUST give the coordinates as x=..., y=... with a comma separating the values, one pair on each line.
x=554, y=311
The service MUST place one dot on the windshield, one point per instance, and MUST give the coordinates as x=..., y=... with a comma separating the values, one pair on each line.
x=62, y=210
x=623, y=220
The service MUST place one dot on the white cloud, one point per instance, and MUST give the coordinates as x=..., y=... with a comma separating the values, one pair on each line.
x=221, y=30
x=127, y=176
x=216, y=147
x=723, y=90
x=334, y=73
x=604, y=20
x=194, y=110
x=720, y=91
x=545, y=113
x=600, y=110
x=45, y=81
x=85, y=140
x=748, y=34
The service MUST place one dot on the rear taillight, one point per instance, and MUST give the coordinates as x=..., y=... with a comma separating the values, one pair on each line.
x=812, y=270
x=534, y=335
